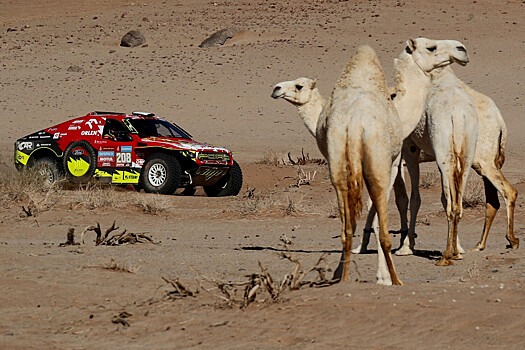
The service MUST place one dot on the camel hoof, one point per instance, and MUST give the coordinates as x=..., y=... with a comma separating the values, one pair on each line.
x=461, y=250
x=444, y=262
x=359, y=250
x=404, y=251
x=513, y=244
x=397, y=282
x=478, y=248
x=457, y=257
x=384, y=281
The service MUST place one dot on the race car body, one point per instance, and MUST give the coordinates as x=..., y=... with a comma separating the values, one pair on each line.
x=139, y=149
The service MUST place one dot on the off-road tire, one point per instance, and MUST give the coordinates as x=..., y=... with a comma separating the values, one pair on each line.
x=229, y=185
x=48, y=168
x=161, y=174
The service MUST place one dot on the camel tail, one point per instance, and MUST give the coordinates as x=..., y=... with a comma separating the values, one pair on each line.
x=354, y=171
x=500, y=156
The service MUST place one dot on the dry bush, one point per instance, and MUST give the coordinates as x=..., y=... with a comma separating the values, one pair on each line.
x=305, y=159
x=27, y=188
x=474, y=195
x=304, y=177
x=269, y=203
x=93, y=195
x=152, y=203
x=429, y=180
x=270, y=157
x=261, y=286
x=114, y=265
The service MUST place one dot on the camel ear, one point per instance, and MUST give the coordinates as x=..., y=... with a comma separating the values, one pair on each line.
x=314, y=82
x=411, y=46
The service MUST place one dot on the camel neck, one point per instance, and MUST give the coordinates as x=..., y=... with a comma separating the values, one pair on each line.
x=311, y=111
x=412, y=86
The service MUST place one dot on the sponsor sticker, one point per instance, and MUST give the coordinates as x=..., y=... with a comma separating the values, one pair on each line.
x=106, y=159
x=89, y=133
x=126, y=148
x=23, y=146
x=106, y=153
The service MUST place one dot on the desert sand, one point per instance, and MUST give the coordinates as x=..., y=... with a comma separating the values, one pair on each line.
x=62, y=58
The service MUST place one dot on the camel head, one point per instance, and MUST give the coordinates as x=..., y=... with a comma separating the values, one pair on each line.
x=297, y=92
x=431, y=54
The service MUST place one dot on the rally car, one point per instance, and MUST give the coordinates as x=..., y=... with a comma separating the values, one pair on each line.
x=136, y=149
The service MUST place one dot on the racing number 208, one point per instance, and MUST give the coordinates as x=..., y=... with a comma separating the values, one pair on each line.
x=124, y=157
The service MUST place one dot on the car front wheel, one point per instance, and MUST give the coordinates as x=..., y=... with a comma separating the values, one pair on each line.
x=229, y=185
x=161, y=174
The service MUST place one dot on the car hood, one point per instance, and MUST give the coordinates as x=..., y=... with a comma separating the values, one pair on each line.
x=181, y=144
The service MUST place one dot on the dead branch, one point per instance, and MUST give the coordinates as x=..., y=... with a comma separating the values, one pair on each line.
x=124, y=237
x=180, y=290
x=70, y=238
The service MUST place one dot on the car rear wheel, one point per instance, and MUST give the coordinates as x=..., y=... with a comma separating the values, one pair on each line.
x=48, y=169
x=161, y=174
x=80, y=162
x=229, y=185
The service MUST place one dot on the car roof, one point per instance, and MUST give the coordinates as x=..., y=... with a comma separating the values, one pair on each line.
x=120, y=115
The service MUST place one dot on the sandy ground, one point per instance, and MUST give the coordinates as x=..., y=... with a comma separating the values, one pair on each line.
x=61, y=58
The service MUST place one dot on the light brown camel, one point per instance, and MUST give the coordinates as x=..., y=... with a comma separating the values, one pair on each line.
x=358, y=132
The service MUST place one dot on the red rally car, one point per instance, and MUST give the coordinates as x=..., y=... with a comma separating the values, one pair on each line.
x=140, y=149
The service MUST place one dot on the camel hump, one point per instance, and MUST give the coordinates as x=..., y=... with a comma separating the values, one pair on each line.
x=363, y=71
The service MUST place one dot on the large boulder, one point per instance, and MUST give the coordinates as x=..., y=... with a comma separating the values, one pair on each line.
x=132, y=38
x=220, y=37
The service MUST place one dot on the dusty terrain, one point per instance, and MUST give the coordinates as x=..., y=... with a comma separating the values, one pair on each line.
x=61, y=58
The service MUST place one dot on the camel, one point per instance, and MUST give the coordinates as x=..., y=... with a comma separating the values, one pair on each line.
x=413, y=83
x=358, y=132
x=488, y=161
x=448, y=132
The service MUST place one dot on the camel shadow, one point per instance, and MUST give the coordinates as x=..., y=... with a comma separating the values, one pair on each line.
x=287, y=250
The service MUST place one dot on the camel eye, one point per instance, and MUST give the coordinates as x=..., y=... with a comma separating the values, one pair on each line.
x=432, y=49
x=298, y=87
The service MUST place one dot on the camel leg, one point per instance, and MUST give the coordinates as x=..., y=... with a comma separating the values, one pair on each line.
x=401, y=197
x=411, y=156
x=348, y=224
x=452, y=199
x=379, y=195
x=369, y=225
x=497, y=182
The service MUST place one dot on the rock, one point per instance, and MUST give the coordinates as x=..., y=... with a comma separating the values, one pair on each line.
x=220, y=37
x=132, y=38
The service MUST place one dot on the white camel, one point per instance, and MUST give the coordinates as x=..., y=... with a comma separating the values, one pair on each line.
x=358, y=132
x=488, y=161
x=448, y=132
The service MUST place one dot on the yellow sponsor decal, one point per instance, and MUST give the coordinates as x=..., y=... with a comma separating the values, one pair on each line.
x=21, y=157
x=101, y=173
x=77, y=167
x=127, y=177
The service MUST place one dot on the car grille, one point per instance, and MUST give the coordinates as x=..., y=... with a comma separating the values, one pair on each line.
x=215, y=157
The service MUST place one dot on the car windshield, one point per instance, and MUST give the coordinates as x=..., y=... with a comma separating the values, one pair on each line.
x=156, y=128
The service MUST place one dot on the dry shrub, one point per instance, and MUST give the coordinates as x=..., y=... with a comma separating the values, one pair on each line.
x=269, y=203
x=271, y=157
x=429, y=180
x=304, y=177
x=92, y=196
x=305, y=159
x=114, y=265
x=27, y=188
x=261, y=287
x=474, y=194
x=152, y=203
